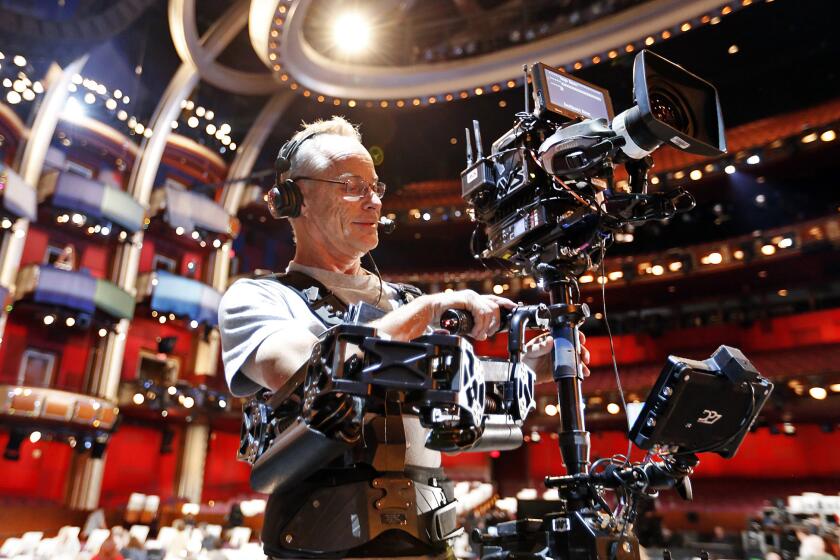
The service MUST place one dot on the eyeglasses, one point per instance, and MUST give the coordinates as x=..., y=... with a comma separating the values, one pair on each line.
x=355, y=188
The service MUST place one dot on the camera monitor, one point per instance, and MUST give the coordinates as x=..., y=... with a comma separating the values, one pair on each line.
x=568, y=96
x=702, y=406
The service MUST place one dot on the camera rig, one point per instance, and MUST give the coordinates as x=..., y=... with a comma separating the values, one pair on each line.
x=469, y=403
x=547, y=203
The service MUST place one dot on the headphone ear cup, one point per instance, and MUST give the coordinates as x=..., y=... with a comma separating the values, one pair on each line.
x=285, y=200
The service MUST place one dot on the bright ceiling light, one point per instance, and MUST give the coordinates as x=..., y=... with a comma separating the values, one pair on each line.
x=828, y=136
x=729, y=169
x=351, y=33
x=73, y=110
x=613, y=408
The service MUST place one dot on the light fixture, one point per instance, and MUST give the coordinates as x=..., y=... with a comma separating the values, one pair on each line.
x=753, y=159
x=768, y=249
x=696, y=175
x=189, y=402
x=828, y=136
x=70, y=321
x=103, y=333
x=551, y=410
x=613, y=408
x=49, y=319
x=351, y=33
x=818, y=393
x=138, y=398
x=192, y=122
x=35, y=436
x=729, y=169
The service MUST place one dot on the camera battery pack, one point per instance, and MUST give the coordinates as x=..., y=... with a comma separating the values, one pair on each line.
x=477, y=176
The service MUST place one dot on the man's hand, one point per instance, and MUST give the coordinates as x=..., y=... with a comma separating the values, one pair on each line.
x=409, y=321
x=537, y=355
x=484, y=310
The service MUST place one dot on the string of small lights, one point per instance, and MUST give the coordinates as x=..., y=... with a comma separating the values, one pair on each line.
x=281, y=14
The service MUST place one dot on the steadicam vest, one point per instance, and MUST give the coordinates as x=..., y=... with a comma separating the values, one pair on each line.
x=368, y=503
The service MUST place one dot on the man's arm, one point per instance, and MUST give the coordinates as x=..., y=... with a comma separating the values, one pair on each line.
x=279, y=356
x=283, y=352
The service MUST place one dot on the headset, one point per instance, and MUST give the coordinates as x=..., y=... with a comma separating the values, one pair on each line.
x=285, y=199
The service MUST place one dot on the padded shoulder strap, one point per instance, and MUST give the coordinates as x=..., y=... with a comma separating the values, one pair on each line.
x=324, y=304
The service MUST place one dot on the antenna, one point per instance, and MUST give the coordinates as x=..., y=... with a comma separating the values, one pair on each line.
x=469, y=147
x=477, y=130
x=525, y=83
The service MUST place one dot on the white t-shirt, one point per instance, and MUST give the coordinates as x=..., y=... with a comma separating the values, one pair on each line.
x=251, y=310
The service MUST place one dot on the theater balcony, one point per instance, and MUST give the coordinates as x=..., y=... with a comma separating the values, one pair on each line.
x=67, y=298
x=39, y=413
x=88, y=206
x=17, y=198
x=174, y=336
x=190, y=218
x=170, y=296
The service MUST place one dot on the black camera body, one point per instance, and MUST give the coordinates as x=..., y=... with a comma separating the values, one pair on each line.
x=547, y=190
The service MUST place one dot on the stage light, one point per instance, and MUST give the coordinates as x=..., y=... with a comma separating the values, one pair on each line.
x=194, y=324
x=768, y=249
x=586, y=279
x=498, y=289
x=733, y=49
x=675, y=266
x=835, y=387
x=192, y=122
x=103, y=333
x=753, y=159
x=351, y=33
x=49, y=319
x=696, y=175
x=657, y=270
x=211, y=129
x=35, y=436
x=188, y=402
x=179, y=230
x=209, y=115
x=19, y=60
x=788, y=428
x=818, y=393
x=828, y=136
x=729, y=169
x=535, y=436
x=70, y=321
x=551, y=410
x=199, y=111
x=13, y=97
x=613, y=408
x=808, y=138
x=90, y=98
x=615, y=275
x=138, y=398
x=785, y=243
x=222, y=403
x=122, y=115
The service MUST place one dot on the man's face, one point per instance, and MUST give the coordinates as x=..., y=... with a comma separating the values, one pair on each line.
x=345, y=228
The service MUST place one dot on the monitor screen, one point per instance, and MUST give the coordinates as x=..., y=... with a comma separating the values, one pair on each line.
x=569, y=96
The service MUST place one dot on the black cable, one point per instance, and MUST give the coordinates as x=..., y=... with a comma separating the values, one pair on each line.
x=612, y=349
x=378, y=275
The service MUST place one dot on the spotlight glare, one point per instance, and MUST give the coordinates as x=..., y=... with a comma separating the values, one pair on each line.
x=351, y=33
x=192, y=122
x=753, y=159
x=49, y=319
x=729, y=169
x=696, y=175
x=188, y=402
x=551, y=410
x=768, y=249
x=613, y=408
x=138, y=398
x=828, y=136
x=818, y=393
x=35, y=436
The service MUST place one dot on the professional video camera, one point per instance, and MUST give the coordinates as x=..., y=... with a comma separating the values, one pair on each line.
x=547, y=203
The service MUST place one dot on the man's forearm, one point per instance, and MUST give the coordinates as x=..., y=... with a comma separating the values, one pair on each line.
x=406, y=322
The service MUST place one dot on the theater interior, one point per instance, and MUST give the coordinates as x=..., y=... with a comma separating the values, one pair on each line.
x=137, y=146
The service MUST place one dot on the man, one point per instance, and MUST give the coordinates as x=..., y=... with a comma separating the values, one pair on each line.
x=268, y=331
